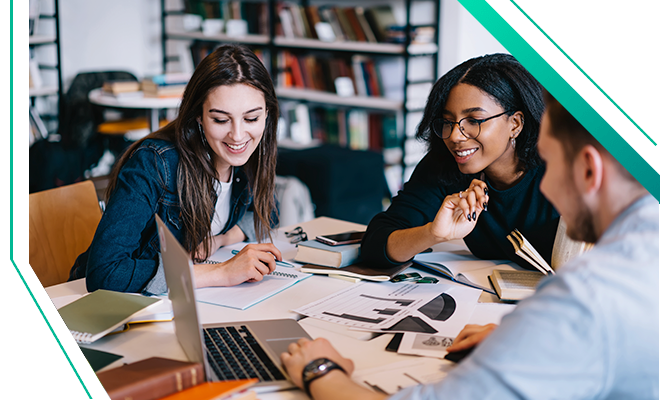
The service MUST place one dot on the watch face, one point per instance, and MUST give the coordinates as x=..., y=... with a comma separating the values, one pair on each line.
x=317, y=367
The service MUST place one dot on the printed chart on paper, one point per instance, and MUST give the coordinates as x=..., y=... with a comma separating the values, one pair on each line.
x=372, y=306
x=393, y=307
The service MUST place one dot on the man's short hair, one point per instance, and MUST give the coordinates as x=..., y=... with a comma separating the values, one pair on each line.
x=572, y=135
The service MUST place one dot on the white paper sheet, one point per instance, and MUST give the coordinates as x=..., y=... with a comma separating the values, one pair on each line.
x=391, y=378
x=421, y=344
x=396, y=307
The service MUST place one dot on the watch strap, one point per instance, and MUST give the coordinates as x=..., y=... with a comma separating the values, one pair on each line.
x=316, y=369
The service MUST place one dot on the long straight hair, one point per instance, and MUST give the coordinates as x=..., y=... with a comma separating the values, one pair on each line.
x=225, y=66
x=502, y=77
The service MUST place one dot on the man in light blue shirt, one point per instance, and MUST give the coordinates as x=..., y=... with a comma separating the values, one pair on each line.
x=589, y=332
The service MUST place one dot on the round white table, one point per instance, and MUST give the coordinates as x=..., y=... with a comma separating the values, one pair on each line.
x=97, y=96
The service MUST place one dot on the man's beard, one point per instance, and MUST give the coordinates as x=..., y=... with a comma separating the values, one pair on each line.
x=583, y=228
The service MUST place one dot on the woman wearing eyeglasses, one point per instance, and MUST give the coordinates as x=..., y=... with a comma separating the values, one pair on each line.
x=480, y=178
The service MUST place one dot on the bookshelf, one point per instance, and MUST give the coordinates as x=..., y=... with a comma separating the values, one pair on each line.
x=45, y=91
x=287, y=30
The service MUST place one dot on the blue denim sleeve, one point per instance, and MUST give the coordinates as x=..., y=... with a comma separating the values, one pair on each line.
x=246, y=224
x=116, y=261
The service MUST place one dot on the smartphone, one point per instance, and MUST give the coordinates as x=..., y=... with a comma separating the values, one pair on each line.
x=341, y=238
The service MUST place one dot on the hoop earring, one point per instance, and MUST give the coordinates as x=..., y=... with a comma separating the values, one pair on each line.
x=513, y=143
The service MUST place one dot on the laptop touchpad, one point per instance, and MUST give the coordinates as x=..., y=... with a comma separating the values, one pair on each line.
x=279, y=346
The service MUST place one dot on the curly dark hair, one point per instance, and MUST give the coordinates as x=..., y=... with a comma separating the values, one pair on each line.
x=514, y=89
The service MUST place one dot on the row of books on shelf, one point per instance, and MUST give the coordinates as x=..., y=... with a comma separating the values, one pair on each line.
x=353, y=128
x=329, y=23
x=357, y=75
x=255, y=14
x=376, y=24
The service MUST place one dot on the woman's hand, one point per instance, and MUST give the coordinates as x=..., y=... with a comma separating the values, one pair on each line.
x=459, y=211
x=234, y=235
x=470, y=336
x=451, y=222
x=305, y=350
x=249, y=265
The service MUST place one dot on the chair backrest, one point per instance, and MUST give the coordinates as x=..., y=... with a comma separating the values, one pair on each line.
x=62, y=224
x=79, y=118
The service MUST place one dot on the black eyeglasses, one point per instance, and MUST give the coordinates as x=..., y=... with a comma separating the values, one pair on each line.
x=469, y=127
x=297, y=235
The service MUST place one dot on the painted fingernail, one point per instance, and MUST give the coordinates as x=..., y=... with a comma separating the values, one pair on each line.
x=474, y=216
x=486, y=206
x=486, y=191
x=469, y=217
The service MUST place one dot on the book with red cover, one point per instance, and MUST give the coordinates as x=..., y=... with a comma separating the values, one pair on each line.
x=151, y=378
x=214, y=390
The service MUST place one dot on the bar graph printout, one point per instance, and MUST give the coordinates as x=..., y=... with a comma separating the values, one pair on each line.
x=373, y=305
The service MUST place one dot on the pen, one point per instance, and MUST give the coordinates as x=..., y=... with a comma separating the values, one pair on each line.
x=282, y=263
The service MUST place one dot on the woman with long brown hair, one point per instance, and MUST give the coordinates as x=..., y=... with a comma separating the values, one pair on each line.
x=209, y=174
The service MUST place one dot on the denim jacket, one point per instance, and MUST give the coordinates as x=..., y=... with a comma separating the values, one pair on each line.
x=124, y=254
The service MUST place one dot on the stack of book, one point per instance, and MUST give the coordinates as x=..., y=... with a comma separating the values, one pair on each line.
x=165, y=85
x=122, y=88
x=161, y=378
x=315, y=252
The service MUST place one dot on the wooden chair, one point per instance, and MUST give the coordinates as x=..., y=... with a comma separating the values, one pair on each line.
x=62, y=224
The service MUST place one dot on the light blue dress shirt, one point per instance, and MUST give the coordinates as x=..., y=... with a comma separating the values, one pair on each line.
x=589, y=332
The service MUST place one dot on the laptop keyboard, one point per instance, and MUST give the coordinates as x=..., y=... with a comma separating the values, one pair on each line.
x=234, y=353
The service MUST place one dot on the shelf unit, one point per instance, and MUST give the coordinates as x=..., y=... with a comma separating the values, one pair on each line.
x=50, y=93
x=274, y=44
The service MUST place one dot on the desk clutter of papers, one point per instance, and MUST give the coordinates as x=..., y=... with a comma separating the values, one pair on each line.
x=430, y=316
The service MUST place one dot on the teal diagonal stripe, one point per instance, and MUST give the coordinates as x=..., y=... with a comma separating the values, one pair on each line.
x=566, y=95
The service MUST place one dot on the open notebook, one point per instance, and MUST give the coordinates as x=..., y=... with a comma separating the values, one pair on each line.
x=247, y=294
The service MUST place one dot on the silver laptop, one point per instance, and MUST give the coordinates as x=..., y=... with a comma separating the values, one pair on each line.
x=231, y=350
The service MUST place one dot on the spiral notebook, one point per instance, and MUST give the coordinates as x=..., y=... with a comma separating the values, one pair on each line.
x=247, y=294
x=93, y=316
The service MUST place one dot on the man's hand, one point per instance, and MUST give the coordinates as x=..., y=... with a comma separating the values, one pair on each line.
x=305, y=350
x=471, y=336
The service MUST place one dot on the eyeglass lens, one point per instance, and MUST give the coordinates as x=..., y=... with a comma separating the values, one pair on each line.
x=468, y=127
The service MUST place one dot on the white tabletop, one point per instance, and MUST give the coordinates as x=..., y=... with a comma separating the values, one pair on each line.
x=158, y=339
x=97, y=96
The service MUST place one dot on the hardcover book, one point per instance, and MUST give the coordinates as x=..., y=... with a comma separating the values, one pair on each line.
x=150, y=379
x=314, y=252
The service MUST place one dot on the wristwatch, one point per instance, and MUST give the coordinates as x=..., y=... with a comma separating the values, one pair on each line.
x=316, y=369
